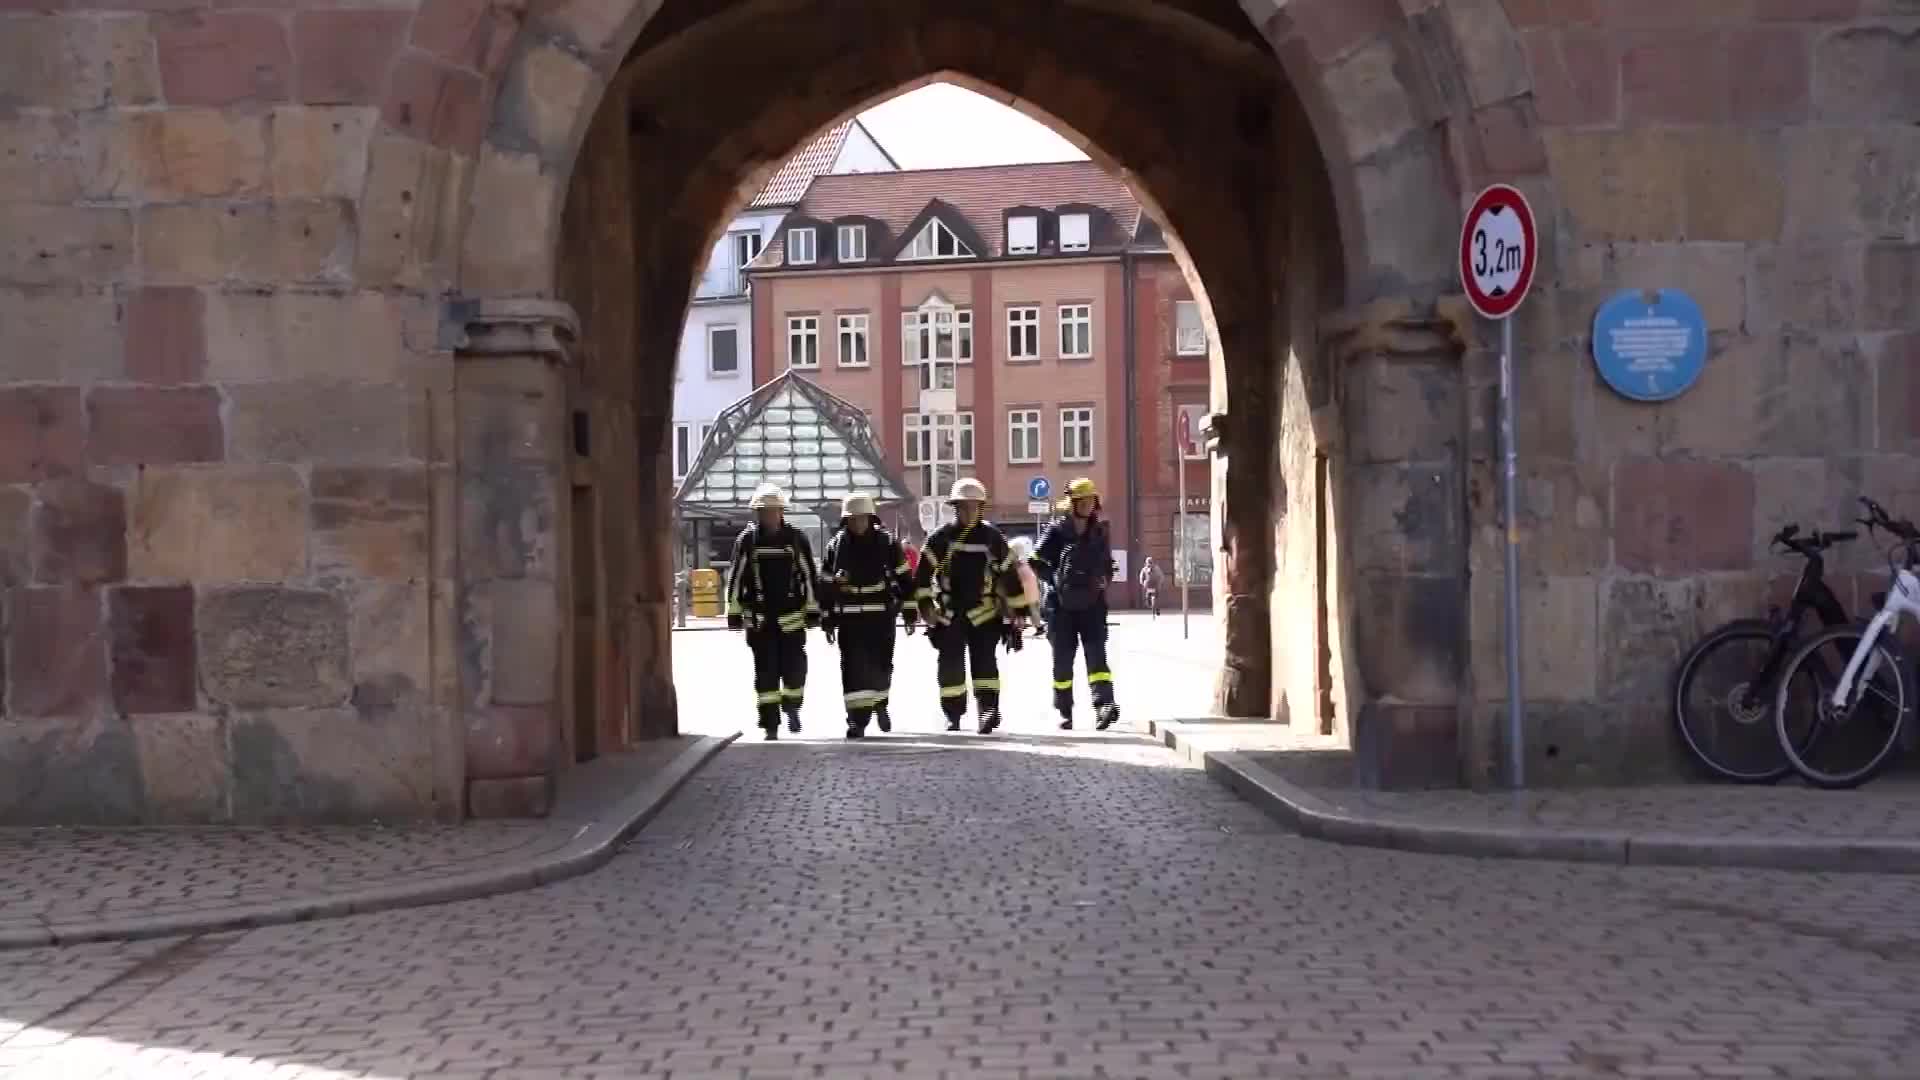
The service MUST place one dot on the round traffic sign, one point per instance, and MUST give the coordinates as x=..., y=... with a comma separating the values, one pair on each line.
x=1038, y=488
x=929, y=513
x=1498, y=251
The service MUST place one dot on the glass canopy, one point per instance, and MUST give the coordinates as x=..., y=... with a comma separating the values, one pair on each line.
x=793, y=433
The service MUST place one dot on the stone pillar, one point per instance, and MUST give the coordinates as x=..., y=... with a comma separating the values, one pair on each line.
x=1402, y=411
x=656, y=708
x=510, y=528
x=1241, y=441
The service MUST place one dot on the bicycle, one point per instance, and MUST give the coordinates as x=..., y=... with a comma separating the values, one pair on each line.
x=1746, y=750
x=1877, y=675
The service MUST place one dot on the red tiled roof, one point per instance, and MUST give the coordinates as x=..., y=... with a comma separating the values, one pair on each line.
x=981, y=195
x=814, y=159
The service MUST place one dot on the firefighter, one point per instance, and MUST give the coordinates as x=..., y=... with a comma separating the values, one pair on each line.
x=770, y=595
x=1075, y=559
x=865, y=577
x=971, y=600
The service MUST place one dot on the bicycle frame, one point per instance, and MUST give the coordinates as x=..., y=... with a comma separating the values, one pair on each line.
x=1903, y=599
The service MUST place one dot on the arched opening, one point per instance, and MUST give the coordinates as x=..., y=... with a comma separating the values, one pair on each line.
x=1338, y=480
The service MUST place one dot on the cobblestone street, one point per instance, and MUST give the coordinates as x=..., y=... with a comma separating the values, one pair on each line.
x=1027, y=905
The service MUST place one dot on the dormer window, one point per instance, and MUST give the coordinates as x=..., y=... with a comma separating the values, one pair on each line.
x=853, y=243
x=936, y=241
x=800, y=250
x=1076, y=232
x=1023, y=235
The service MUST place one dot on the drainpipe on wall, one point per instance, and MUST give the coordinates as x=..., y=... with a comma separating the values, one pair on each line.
x=1129, y=356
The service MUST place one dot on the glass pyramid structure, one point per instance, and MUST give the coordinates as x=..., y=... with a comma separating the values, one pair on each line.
x=793, y=433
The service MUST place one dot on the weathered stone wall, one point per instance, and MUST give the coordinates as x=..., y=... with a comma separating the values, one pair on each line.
x=1769, y=166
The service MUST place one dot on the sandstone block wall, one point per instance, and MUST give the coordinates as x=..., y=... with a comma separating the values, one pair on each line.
x=1763, y=158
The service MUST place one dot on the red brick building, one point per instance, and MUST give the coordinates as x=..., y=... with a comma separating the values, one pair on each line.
x=1006, y=323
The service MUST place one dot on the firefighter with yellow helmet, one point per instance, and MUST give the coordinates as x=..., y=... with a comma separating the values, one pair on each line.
x=1075, y=560
x=770, y=595
x=970, y=597
x=864, y=579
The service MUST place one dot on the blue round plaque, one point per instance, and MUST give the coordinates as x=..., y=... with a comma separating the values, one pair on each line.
x=1650, y=344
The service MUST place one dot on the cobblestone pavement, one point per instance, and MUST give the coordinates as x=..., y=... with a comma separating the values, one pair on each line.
x=77, y=875
x=1014, y=906
x=1885, y=809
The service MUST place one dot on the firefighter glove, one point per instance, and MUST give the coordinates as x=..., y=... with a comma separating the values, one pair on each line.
x=735, y=622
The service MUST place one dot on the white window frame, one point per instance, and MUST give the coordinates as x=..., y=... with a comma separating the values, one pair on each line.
x=1023, y=332
x=919, y=332
x=1073, y=419
x=932, y=231
x=804, y=331
x=794, y=255
x=850, y=238
x=1075, y=316
x=743, y=246
x=959, y=427
x=1076, y=232
x=1024, y=422
x=683, y=450
x=731, y=328
x=1189, y=340
x=700, y=432
x=854, y=326
x=916, y=438
x=1027, y=228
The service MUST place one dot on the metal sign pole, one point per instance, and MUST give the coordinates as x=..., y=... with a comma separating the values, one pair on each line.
x=1509, y=482
x=1181, y=558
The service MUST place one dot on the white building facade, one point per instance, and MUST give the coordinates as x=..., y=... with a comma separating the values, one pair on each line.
x=715, y=366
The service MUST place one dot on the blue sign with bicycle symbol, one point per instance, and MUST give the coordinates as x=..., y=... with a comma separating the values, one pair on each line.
x=1038, y=488
x=1650, y=344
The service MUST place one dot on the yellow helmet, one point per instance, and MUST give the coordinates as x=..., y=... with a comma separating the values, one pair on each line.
x=1081, y=488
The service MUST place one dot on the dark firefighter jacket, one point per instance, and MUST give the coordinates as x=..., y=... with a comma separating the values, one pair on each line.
x=967, y=571
x=864, y=574
x=1073, y=564
x=772, y=578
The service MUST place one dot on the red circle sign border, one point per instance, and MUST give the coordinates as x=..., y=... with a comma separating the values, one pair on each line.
x=1499, y=307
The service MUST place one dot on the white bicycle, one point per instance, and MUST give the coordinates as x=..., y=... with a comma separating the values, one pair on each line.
x=1858, y=720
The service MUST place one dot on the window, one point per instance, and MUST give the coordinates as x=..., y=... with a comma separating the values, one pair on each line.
x=800, y=247
x=853, y=341
x=916, y=446
x=853, y=243
x=1075, y=232
x=1023, y=235
x=1023, y=436
x=935, y=332
x=683, y=449
x=1023, y=333
x=723, y=350
x=1076, y=433
x=745, y=247
x=1076, y=330
x=953, y=438
x=803, y=341
x=1189, y=332
x=700, y=437
x=936, y=241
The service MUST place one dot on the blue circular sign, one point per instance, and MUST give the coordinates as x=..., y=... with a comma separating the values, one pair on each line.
x=1038, y=488
x=1650, y=344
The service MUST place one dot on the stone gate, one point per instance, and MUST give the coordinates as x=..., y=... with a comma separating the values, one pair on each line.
x=333, y=475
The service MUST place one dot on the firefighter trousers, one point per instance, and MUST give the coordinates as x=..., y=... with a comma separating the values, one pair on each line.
x=866, y=662
x=779, y=671
x=1068, y=632
x=962, y=646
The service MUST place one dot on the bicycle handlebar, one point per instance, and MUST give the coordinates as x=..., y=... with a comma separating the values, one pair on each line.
x=1789, y=537
x=1878, y=518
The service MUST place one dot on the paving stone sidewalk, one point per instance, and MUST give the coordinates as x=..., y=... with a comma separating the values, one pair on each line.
x=70, y=878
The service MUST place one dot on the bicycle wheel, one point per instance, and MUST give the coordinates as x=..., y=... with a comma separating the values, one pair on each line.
x=1846, y=747
x=1721, y=712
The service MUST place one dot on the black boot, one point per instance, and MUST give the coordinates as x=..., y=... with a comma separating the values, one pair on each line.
x=989, y=719
x=793, y=719
x=1066, y=719
x=881, y=718
x=772, y=729
x=856, y=728
x=1109, y=714
x=953, y=723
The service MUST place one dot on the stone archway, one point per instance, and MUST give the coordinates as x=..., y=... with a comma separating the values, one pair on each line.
x=1405, y=112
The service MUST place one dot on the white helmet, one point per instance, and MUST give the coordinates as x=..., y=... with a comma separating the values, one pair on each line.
x=967, y=488
x=768, y=495
x=856, y=503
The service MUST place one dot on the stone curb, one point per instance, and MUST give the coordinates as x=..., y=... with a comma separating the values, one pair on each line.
x=592, y=846
x=1312, y=816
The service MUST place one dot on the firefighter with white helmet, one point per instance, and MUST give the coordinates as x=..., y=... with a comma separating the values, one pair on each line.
x=865, y=577
x=971, y=599
x=1075, y=559
x=771, y=595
